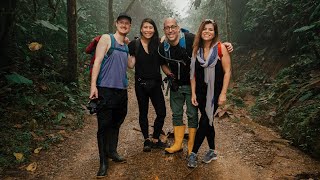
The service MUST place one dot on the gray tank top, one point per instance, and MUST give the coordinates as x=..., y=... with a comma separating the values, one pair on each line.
x=113, y=70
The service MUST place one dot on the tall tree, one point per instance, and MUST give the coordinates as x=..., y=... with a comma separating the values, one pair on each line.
x=111, y=18
x=110, y=12
x=72, y=67
x=6, y=19
x=228, y=29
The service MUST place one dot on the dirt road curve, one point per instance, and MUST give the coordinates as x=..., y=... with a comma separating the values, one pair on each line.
x=245, y=149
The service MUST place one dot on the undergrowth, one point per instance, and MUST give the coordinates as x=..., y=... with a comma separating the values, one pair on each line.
x=38, y=109
x=289, y=103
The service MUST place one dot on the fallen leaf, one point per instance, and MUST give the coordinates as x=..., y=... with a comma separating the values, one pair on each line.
x=156, y=178
x=232, y=117
x=63, y=133
x=32, y=167
x=238, y=116
x=227, y=106
x=229, y=113
x=19, y=156
x=163, y=138
x=35, y=46
x=168, y=158
x=273, y=113
x=84, y=107
x=221, y=113
x=19, y=126
x=52, y=136
x=36, y=151
x=43, y=87
x=217, y=111
x=34, y=135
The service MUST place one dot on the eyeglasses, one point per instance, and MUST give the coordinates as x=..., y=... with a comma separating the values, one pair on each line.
x=173, y=28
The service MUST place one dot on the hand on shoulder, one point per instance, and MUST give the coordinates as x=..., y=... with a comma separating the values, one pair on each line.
x=228, y=46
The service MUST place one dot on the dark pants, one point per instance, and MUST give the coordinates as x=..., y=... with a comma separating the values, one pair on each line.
x=111, y=114
x=205, y=129
x=146, y=89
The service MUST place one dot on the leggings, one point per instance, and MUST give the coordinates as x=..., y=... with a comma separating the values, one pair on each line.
x=145, y=90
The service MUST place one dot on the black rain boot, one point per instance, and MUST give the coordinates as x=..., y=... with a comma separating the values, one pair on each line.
x=113, y=144
x=103, y=159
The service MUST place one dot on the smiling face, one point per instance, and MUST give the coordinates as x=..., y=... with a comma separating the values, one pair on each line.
x=147, y=30
x=208, y=33
x=171, y=30
x=123, y=26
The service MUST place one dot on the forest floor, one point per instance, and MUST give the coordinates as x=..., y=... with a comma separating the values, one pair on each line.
x=246, y=150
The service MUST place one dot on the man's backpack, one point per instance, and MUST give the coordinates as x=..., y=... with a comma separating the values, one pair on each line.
x=91, y=49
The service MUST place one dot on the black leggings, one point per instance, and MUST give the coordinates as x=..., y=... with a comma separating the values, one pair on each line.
x=146, y=89
x=205, y=129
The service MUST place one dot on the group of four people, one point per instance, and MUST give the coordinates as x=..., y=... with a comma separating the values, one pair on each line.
x=198, y=65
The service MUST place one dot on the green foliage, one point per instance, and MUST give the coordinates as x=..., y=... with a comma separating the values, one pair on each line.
x=295, y=97
x=14, y=141
x=302, y=125
x=18, y=79
x=236, y=96
x=266, y=19
x=31, y=111
x=47, y=24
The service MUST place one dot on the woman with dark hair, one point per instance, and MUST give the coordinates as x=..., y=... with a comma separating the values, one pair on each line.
x=210, y=72
x=148, y=81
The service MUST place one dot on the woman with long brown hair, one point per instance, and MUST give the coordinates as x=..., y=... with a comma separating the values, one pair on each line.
x=210, y=72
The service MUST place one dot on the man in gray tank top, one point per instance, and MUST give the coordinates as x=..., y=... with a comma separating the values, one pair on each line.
x=109, y=86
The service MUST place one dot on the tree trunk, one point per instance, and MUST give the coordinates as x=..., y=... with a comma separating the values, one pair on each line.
x=111, y=18
x=6, y=21
x=72, y=67
x=228, y=34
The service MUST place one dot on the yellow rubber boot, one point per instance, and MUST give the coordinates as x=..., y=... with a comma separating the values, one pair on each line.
x=178, y=138
x=192, y=135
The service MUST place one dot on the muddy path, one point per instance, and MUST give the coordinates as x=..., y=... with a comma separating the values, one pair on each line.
x=245, y=149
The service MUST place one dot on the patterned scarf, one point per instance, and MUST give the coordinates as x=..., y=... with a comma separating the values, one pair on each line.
x=209, y=76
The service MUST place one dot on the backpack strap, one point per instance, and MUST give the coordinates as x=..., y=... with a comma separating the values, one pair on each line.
x=113, y=47
x=219, y=50
x=110, y=51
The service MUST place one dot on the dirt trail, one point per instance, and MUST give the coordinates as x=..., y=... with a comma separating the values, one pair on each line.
x=245, y=149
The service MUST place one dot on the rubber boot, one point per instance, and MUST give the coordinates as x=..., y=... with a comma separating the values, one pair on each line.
x=178, y=138
x=113, y=145
x=103, y=157
x=192, y=135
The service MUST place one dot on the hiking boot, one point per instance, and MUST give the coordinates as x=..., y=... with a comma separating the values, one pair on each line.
x=102, y=170
x=211, y=155
x=192, y=161
x=159, y=145
x=147, y=145
x=116, y=157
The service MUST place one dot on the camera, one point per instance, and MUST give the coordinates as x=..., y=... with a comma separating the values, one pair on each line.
x=93, y=105
x=172, y=82
x=174, y=85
